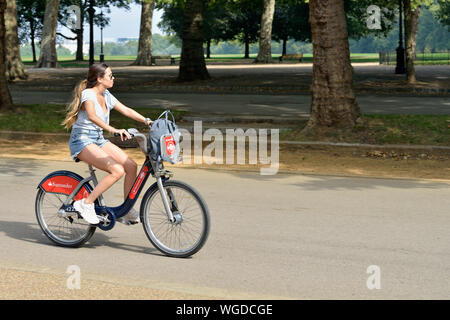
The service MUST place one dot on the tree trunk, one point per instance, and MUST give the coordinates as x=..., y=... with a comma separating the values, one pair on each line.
x=333, y=101
x=284, y=47
x=247, y=46
x=33, y=36
x=192, y=63
x=15, y=69
x=48, y=57
x=411, y=27
x=208, y=48
x=5, y=96
x=144, y=56
x=91, y=12
x=265, y=35
x=80, y=54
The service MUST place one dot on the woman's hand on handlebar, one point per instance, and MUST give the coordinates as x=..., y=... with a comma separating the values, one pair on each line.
x=148, y=122
x=124, y=134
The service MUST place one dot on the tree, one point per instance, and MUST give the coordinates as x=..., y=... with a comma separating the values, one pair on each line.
x=48, y=57
x=144, y=56
x=14, y=66
x=192, y=63
x=443, y=14
x=30, y=15
x=432, y=34
x=245, y=22
x=358, y=15
x=265, y=36
x=333, y=101
x=63, y=16
x=411, y=26
x=412, y=12
x=291, y=22
x=5, y=95
x=216, y=26
x=98, y=20
x=223, y=20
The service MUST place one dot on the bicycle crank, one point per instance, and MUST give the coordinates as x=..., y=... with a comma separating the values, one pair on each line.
x=107, y=219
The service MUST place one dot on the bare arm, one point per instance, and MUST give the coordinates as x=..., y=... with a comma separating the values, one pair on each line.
x=130, y=113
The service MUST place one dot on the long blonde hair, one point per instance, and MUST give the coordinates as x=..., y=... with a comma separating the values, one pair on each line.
x=97, y=70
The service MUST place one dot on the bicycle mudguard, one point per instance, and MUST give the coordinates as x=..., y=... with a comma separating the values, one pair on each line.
x=64, y=182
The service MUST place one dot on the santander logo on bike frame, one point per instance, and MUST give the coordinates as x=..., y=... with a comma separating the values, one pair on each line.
x=138, y=182
x=64, y=185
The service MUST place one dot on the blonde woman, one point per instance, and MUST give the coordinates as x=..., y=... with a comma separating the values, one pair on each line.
x=88, y=116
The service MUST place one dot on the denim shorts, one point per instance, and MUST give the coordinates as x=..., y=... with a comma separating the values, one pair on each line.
x=80, y=138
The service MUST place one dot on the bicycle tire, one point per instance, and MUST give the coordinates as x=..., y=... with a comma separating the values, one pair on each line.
x=86, y=230
x=176, y=229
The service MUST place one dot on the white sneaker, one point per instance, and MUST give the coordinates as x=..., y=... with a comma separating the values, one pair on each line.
x=87, y=211
x=132, y=217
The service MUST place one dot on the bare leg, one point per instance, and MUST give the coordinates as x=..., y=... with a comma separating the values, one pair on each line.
x=128, y=164
x=92, y=154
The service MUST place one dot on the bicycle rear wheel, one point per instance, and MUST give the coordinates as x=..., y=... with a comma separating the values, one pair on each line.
x=188, y=233
x=70, y=231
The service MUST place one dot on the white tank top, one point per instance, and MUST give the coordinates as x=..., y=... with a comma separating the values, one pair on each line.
x=83, y=121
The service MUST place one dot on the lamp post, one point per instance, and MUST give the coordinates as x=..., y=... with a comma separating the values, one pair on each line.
x=400, y=67
x=91, y=12
x=102, y=56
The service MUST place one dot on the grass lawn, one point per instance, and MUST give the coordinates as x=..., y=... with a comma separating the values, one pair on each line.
x=426, y=59
x=378, y=129
x=384, y=129
x=48, y=118
x=70, y=62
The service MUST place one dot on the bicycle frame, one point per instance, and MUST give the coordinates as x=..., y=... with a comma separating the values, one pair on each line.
x=129, y=202
x=150, y=166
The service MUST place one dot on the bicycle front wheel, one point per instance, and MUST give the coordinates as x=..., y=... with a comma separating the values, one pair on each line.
x=188, y=233
x=65, y=231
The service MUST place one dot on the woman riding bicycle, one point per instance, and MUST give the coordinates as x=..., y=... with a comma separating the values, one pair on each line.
x=88, y=115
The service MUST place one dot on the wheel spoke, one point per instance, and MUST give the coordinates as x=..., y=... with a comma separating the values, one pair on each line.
x=57, y=227
x=188, y=233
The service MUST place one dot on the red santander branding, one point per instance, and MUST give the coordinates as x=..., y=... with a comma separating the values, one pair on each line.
x=64, y=185
x=138, y=182
x=170, y=145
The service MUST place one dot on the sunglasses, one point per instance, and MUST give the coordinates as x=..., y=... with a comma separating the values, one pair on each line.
x=111, y=76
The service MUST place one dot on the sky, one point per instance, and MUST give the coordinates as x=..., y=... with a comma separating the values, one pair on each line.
x=123, y=24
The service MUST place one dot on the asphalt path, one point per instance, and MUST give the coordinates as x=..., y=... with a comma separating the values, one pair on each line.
x=284, y=106
x=281, y=236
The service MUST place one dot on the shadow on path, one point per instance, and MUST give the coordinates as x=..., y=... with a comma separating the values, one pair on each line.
x=330, y=182
x=30, y=232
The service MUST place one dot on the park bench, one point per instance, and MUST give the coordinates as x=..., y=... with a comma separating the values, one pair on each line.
x=163, y=57
x=298, y=56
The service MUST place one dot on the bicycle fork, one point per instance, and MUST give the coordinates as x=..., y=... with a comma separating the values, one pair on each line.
x=165, y=199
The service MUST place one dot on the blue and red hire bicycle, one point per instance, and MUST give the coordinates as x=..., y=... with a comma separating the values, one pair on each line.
x=174, y=215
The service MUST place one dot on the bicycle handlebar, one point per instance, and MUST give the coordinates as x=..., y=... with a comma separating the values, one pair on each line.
x=118, y=134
